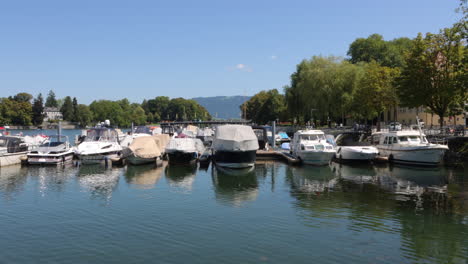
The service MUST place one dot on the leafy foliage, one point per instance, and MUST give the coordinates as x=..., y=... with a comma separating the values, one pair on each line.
x=436, y=72
x=38, y=110
x=265, y=106
x=375, y=48
x=51, y=101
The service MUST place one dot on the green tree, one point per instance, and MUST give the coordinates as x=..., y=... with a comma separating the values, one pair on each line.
x=23, y=97
x=38, y=110
x=321, y=87
x=436, y=73
x=51, y=101
x=84, y=116
x=15, y=112
x=67, y=109
x=265, y=106
x=376, y=91
x=375, y=48
x=76, y=110
x=107, y=110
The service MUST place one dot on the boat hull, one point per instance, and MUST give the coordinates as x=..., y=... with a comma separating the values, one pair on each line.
x=318, y=158
x=98, y=158
x=7, y=159
x=133, y=160
x=179, y=157
x=356, y=153
x=423, y=156
x=50, y=159
x=235, y=159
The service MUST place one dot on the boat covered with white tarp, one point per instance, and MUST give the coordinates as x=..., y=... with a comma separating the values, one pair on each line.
x=235, y=146
x=184, y=150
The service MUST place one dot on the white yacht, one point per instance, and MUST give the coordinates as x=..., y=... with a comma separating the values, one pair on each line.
x=409, y=147
x=311, y=147
x=100, y=144
x=56, y=150
x=352, y=147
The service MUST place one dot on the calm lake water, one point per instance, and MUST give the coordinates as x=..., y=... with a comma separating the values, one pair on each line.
x=272, y=214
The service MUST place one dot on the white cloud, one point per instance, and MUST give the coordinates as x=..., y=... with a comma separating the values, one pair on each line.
x=242, y=67
x=273, y=57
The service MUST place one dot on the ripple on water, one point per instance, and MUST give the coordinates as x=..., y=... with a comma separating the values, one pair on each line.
x=273, y=214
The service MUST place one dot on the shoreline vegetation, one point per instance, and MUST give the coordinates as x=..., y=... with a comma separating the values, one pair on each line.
x=379, y=76
x=429, y=71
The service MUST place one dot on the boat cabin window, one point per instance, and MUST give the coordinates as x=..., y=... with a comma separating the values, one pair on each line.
x=319, y=147
x=412, y=139
x=395, y=140
x=142, y=130
x=386, y=141
x=101, y=135
x=312, y=137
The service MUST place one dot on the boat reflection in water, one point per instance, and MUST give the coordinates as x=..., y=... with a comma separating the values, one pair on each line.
x=144, y=176
x=100, y=181
x=12, y=180
x=234, y=186
x=311, y=180
x=181, y=176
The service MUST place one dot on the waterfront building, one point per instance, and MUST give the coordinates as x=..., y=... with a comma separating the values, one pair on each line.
x=52, y=113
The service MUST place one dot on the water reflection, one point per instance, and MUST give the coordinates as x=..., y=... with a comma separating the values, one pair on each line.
x=181, y=176
x=52, y=178
x=234, y=186
x=414, y=203
x=311, y=180
x=144, y=176
x=419, y=187
x=12, y=180
x=99, y=180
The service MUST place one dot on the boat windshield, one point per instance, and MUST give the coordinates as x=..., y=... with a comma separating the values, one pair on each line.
x=55, y=141
x=142, y=130
x=312, y=137
x=412, y=139
x=101, y=135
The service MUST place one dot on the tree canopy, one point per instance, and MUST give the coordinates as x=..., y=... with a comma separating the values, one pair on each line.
x=51, y=101
x=435, y=75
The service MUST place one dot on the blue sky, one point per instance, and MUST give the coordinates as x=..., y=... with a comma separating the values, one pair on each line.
x=142, y=49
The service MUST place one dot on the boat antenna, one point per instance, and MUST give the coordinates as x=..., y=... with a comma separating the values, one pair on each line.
x=59, y=130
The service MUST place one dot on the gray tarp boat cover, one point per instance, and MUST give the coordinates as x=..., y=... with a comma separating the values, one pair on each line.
x=235, y=138
x=185, y=145
x=162, y=140
x=145, y=147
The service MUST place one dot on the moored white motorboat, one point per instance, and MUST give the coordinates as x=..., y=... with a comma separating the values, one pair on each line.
x=312, y=148
x=100, y=145
x=56, y=151
x=235, y=146
x=351, y=147
x=12, y=150
x=410, y=147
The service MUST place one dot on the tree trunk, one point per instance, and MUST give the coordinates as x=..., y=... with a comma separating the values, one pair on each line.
x=378, y=122
x=441, y=119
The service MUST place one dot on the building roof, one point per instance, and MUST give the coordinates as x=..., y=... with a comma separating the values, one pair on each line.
x=51, y=109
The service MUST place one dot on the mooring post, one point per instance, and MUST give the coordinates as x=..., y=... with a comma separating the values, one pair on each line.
x=274, y=134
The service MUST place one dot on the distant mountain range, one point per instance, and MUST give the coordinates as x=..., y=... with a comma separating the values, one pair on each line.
x=225, y=107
